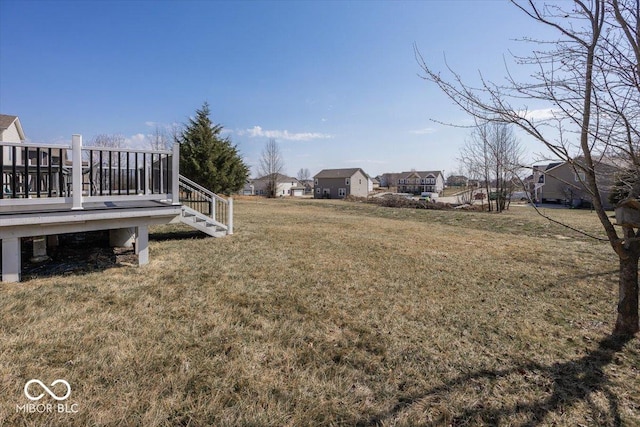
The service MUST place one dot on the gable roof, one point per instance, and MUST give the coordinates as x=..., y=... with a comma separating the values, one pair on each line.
x=339, y=173
x=5, y=123
x=421, y=174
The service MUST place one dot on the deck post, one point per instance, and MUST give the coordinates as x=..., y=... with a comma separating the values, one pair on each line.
x=11, y=262
x=39, y=249
x=122, y=237
x=142, y=244
x=76, y=165
x=230, y=216
x=175, y=174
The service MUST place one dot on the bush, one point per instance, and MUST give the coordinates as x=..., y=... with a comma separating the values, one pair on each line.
x=393, y=201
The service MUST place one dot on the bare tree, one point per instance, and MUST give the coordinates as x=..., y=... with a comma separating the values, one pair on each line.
x=161, y=139
x=271, y=166
x=108, y=141
x=590, y=80
x=303, y=175
x=494, y=156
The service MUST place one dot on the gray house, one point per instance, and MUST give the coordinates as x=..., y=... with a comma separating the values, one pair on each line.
x=339, y=183
x=562, y=183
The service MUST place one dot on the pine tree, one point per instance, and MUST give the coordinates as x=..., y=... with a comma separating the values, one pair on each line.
x=208, y=158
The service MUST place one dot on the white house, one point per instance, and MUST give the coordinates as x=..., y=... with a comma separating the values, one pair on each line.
x=10, y=131
x=286, y=186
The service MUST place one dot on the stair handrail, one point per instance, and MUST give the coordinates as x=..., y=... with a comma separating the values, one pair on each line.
x=187, y=183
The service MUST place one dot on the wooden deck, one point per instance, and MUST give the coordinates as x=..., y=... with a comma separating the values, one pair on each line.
x=84, y=189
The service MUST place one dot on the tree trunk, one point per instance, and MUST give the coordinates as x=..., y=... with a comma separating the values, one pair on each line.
x=628, y=322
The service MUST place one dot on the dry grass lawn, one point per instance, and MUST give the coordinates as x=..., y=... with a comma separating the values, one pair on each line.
x=333, y=313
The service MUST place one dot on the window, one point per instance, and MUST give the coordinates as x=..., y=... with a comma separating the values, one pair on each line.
x=579, y=176
x=359, y=181
x=316, y=182
x=318, y=189
x=347, y=181
x=342, y=192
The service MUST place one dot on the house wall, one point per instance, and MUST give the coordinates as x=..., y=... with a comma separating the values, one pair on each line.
x=10, y=134
x=414, y=184
x=329, y=188
x=439, y=183
x=359, y=185
x=283, y=188
x=560, y=184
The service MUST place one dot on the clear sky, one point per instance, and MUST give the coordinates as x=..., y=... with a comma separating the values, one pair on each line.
x=334, y=82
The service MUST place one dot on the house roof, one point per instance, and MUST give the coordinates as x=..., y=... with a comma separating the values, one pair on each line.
x=548, y=166
x=6, y=121
x=339, y=173
x=420, y=174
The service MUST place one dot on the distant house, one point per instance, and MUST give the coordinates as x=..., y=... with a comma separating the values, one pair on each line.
x=248, y=189
x=297, y=191
x=11, y=131
x=561, y=182
x=417, y=182
x=457, y=181
x=339, y=183
x=388, y=179
x=285, y=185
x=375, y=183
x=308, y=185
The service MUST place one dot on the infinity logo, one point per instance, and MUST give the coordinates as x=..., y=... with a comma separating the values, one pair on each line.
x=46, y=389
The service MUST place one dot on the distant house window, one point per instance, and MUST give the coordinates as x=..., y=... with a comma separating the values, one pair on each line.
x=347, y=181
x=579, y=176
x=342, y=192
x=360, y=181
x=318, y=190
x=541, y=179
x=316, y=181
x=401, y=181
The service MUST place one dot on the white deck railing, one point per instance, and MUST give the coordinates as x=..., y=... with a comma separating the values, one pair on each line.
x=207, y=203
x=37, y=175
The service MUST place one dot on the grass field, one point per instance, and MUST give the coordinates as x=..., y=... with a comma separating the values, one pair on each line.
x=333, y=313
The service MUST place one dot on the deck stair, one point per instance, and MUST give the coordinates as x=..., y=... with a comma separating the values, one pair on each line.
x=205, y=210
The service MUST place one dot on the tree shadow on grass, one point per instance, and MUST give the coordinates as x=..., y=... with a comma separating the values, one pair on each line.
x=571, y=383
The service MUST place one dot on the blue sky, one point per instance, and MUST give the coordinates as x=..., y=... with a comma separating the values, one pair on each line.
x=334, y=82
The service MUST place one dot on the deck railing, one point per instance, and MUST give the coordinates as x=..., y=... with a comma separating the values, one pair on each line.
x=207, y=203
x=40, y=174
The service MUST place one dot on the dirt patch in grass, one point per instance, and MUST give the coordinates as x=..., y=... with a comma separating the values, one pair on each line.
x=331, y=313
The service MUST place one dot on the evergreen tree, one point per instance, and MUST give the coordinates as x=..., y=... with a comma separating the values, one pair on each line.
x=208, y=158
